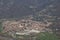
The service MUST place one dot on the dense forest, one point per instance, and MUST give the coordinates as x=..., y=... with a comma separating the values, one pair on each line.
x=19, y=8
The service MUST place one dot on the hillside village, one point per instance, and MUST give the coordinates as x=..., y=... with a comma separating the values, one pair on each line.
x=30, y=20
x=25, y=26
x=30, y=24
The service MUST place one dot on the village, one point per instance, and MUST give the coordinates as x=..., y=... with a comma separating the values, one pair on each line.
x=24, y=26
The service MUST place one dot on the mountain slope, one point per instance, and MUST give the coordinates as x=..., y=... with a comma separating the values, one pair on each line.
x=18, y=8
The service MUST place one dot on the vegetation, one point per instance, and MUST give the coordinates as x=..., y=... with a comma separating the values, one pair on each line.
x=40, y=36
x=0, y=26
x=46, y=36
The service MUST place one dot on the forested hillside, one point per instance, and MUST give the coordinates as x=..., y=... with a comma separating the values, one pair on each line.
x=19, y=8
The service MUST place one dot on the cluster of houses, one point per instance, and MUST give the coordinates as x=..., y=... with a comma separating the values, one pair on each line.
x=24, y=26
